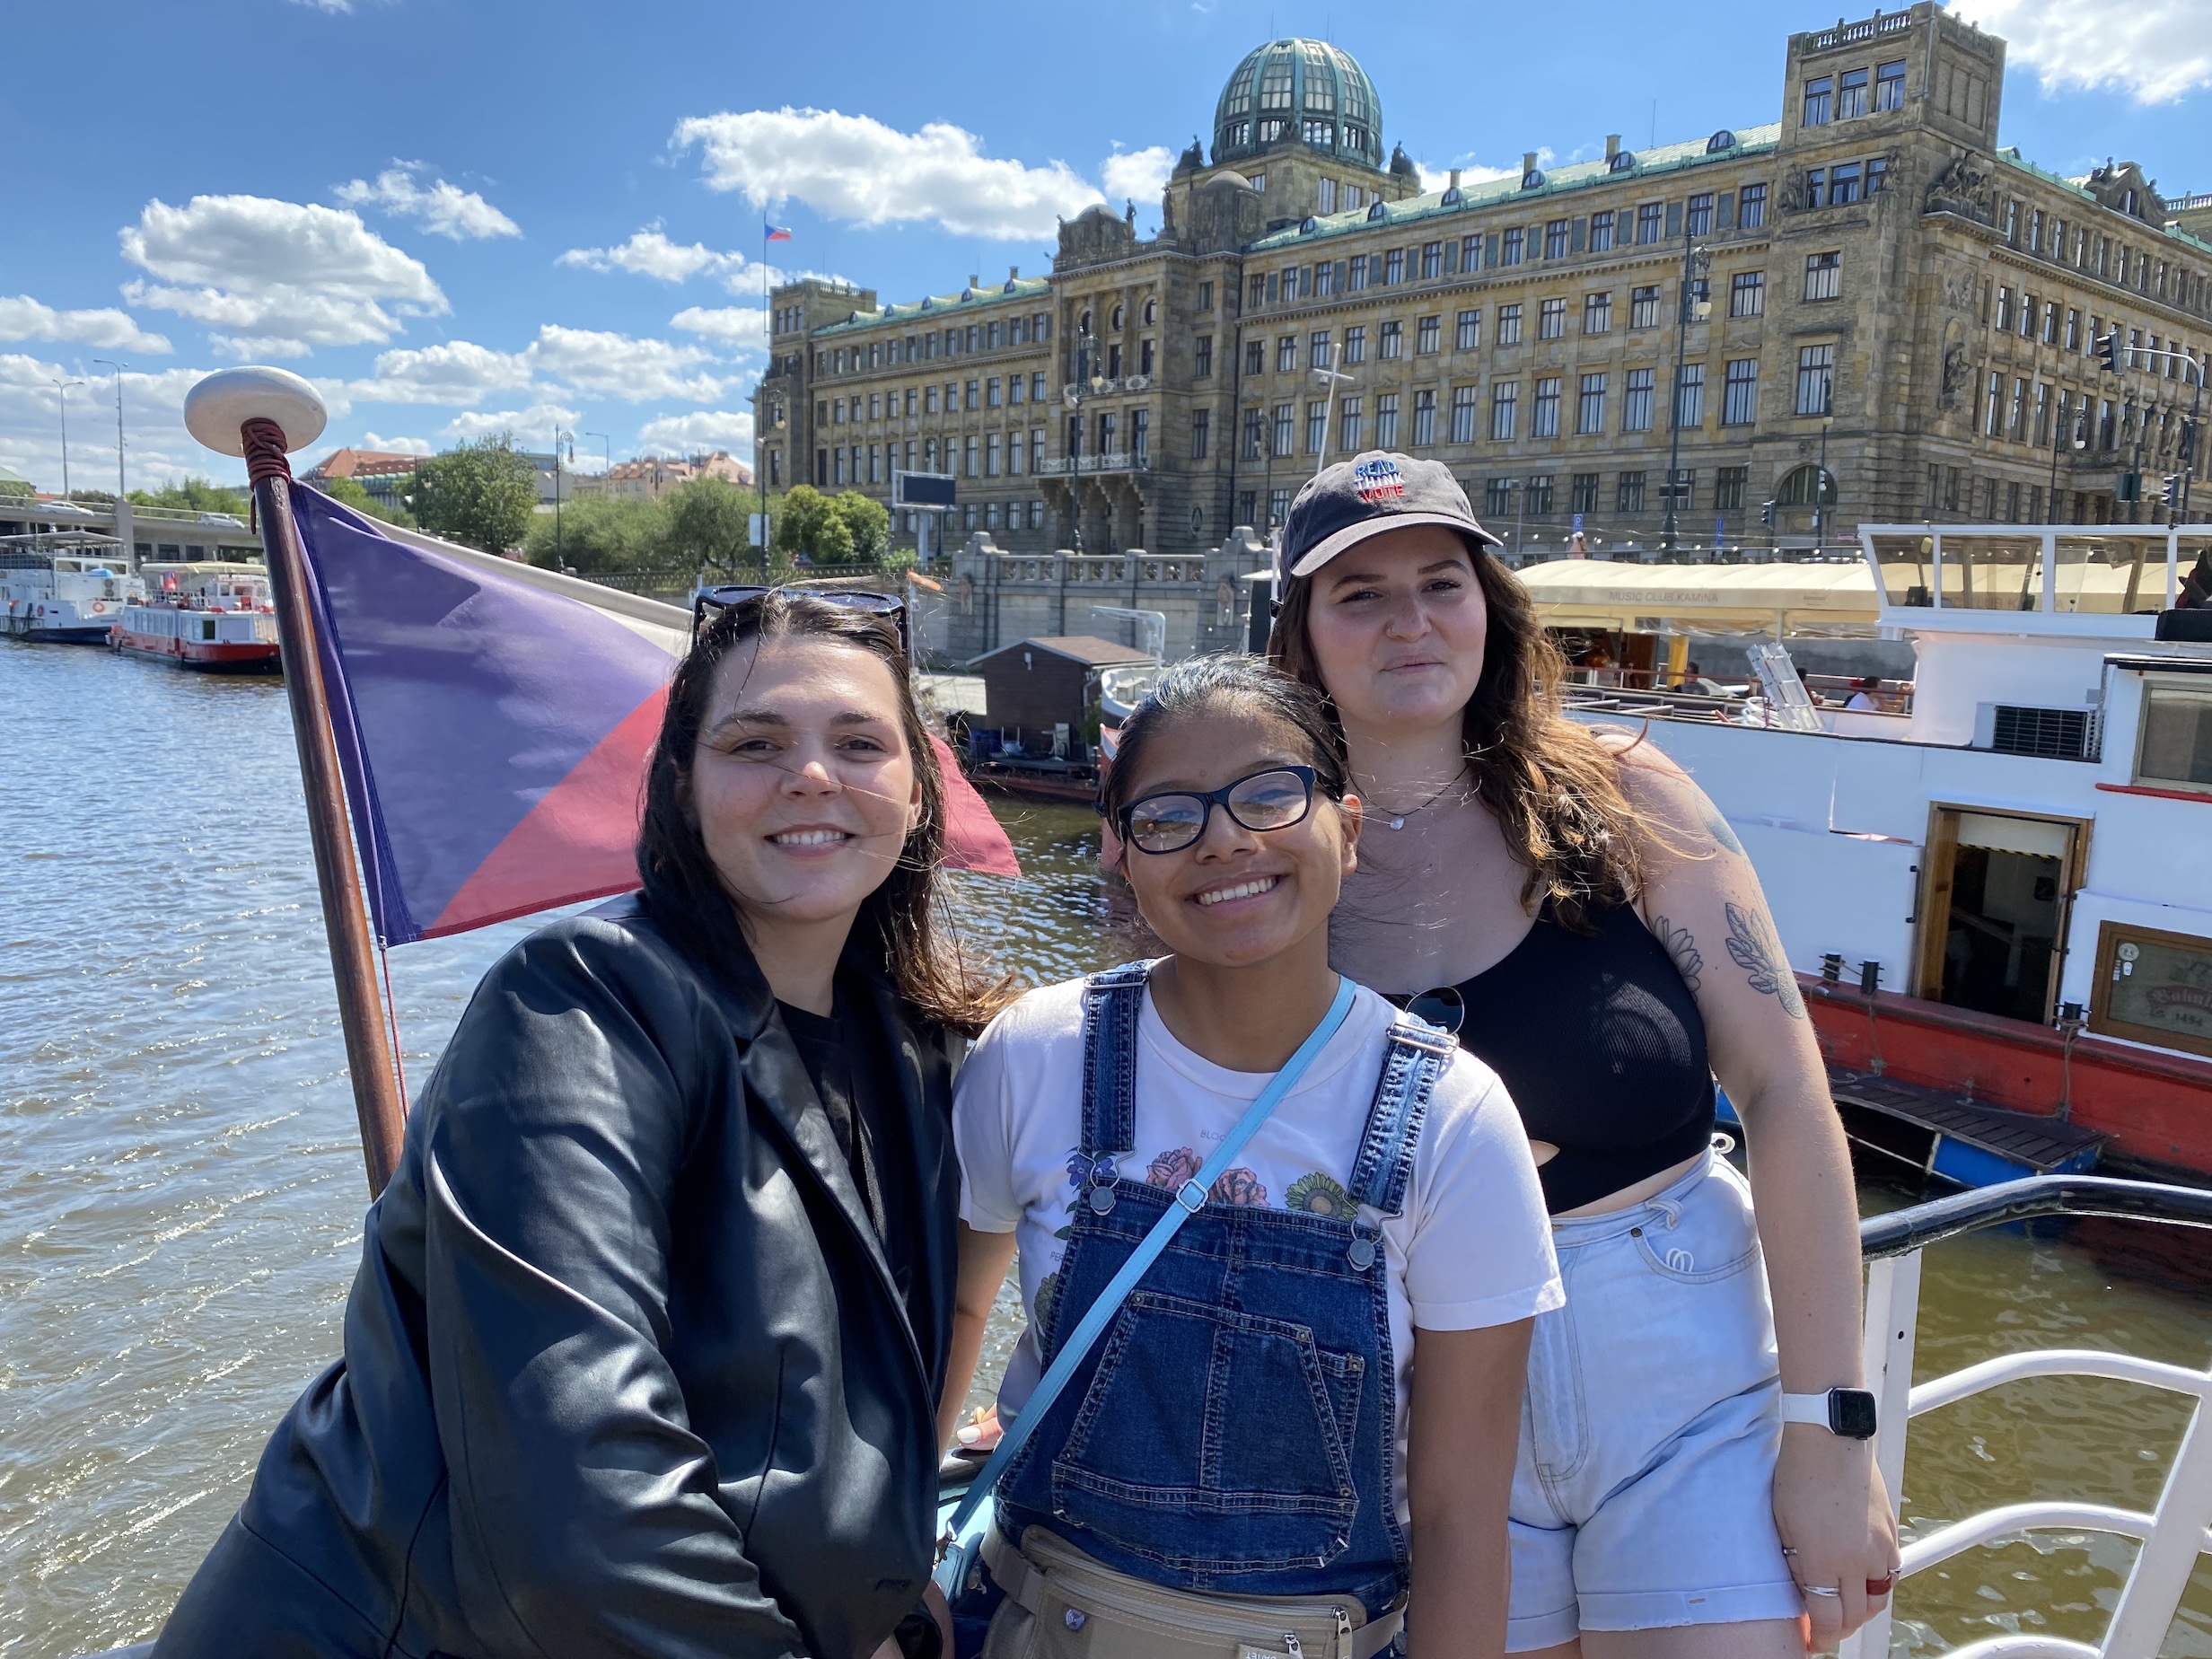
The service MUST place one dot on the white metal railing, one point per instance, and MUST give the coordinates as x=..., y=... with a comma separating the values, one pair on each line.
x=2173, y=1536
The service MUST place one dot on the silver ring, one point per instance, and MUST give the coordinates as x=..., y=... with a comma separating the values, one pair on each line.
x=1821, y=1589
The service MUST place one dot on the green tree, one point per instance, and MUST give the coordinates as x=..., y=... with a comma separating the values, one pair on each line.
x=600, y=533
x=812, y=525
x=481, y=494
x=351, y=493
x=193, y=495
x=708, y=524
x=869, y=521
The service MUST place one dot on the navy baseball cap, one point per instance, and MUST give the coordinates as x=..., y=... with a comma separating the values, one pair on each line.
x=1372, y=492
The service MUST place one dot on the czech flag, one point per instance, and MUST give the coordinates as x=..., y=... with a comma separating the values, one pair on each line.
x=779, y=233
x=494, y=722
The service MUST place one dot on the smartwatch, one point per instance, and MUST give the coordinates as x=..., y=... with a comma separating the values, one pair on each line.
x=1845, y=1412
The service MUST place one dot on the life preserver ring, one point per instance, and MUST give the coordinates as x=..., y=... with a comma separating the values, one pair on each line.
x=99, y=605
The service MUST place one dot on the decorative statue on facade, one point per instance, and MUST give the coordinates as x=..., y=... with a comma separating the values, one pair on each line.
x=1963, y=187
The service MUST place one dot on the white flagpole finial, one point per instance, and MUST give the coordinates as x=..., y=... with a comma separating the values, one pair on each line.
x=219, y=406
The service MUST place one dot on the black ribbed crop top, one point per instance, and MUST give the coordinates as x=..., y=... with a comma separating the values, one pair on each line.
x=1600, y=1044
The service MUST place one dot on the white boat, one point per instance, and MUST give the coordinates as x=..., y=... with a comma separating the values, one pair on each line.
x=213, y=617
x=1994, y=885
x=64, y=587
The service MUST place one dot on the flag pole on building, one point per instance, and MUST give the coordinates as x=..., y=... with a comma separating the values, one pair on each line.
x=261, y=414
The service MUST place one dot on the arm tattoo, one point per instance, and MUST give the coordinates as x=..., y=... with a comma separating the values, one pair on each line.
x=1684, y=949
x=1752, y=947
x=1716, y=826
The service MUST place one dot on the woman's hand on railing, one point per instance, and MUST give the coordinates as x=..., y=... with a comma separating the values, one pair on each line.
x=1836, y=1531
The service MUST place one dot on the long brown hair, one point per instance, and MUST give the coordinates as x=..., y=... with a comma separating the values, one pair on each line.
x=898, y=928
x=1553, y=788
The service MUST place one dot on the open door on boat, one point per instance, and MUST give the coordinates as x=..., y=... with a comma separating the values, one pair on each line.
x=1997, y=888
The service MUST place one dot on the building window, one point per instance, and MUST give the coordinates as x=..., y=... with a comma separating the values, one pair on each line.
x=1555, y=239
x=1356, y=274
x=1677, y=493
x=1390, y=341
x=1356, y=345
x=1597, y=314
x=1429, y=339
x=2050, y=322
x=1393, y=268
x=1509, y=324
x=1650, y=221
x=1258, y=286
x=1278, y=507
x=1202, y=356
x=1551, y=320
x=1037, y=380
x=1287, y=354
x=2018, y=414
x=970, y=398
x=1636, y=408
x=1386, y=420
x=1544, y=421
x=1432, y=261
x=1747, y=295
x=968, y=457
x=1819, y=102
x=1505, y=410
x=1348, y=421
x=1201, y=423
x=1140, y=434
x=1816, y=186
x=1470, y=335
x=1471, y=252
x=1255, y=427
x=1644, y=307
x=1728, y=484
x=1498, y=498
x=1699, y=220
x=1816, y=371
x=990, y=395
x=1462, y=414
x=1143, y=357
x=1282, y=428
x=1583, y=493
x=1325, y=198
x=1013, y=389
x=1538, y=491
x=1317, y=352
x=1689, y=396
x=1993, y=405
x=1851, y=94
x=1739, y=404
x=1590, y=404
x=1843, y=184
x=1425, y=419
x=1628, y=493
x=990, y=457
x=2073, y=329
x=1824, y=276
x=1890, y=86
x=1255, y=357
x=1509, y=246
x=1248, y=506
x=1316, y=426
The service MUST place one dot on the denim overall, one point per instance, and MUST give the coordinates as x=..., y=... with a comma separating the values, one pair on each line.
x=1235, y=1430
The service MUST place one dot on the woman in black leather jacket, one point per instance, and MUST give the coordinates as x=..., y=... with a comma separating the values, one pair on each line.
x=647, y=1341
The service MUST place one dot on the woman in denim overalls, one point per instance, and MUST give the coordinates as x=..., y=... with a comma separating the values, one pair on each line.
x=1227, y=1472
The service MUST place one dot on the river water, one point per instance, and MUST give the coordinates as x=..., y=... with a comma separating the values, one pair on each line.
x=180, y=1185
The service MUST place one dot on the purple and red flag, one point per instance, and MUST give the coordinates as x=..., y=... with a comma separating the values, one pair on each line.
x=494, y=722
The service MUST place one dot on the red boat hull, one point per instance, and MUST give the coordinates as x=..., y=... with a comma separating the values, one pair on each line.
x=203, y=656
x=2154, y=1106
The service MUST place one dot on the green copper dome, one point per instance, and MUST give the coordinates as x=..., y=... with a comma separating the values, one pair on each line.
x=1306, y=90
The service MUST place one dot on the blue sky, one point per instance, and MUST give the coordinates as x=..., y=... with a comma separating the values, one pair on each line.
x=458, y=217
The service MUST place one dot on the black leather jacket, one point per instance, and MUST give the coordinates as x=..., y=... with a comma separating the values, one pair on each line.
x=625, y=1370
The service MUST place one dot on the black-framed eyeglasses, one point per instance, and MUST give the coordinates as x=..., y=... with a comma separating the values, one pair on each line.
x=875, y=604
x=1273, y=799
x=1444, y=1007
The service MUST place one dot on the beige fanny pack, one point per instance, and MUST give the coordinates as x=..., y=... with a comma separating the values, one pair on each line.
x=1061, y=1604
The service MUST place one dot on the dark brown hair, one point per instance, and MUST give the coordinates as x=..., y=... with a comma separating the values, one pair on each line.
x=1202, y=685
x=898, y=928
x=1553, y=788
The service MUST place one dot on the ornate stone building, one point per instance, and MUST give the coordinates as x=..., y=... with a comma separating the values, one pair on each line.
x=1868, y=280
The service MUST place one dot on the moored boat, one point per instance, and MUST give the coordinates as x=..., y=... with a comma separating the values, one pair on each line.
x=213, y=617
x=63, y=587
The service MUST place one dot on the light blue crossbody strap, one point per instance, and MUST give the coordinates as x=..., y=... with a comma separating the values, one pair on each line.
x=1188, y=1201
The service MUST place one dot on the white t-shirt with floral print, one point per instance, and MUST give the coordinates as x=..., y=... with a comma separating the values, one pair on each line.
x=1471, y=1247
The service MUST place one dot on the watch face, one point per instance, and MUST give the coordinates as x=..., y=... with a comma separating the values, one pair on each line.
x=1851, y=1413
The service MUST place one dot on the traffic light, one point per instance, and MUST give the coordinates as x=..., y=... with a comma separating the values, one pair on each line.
x=2171, y=496
x=1766, y=514
x=2108, y=352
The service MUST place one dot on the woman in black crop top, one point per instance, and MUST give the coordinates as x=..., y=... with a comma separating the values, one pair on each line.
x=1613, y=953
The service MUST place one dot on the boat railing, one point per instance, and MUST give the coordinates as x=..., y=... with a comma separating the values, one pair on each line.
x=2173, y=1535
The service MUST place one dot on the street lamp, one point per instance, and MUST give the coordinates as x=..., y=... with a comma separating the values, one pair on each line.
x=1696, y=261
x=1087, y=383
x=61, y=388
x=557, y=435
x=118, y=368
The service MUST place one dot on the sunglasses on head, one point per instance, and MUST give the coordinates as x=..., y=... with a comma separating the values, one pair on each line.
x=731, y=598
x=1442, y=1007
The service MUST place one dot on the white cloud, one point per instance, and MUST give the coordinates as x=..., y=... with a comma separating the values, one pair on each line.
x=1138, y=175
x=701, y=429
x=1471, y=171
x=326, y=5
x=443, y=209
x=2155, y=51
x=22, y=318
x=456, y=371
x=650, y=253
x=395, y=446
x=275, y=277
x=744, y=326
x=158, y=447
x=853, y=167
x=533, y=427
x=600, y=364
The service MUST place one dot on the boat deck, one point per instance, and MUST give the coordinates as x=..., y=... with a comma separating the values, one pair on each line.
x=1959, y=1139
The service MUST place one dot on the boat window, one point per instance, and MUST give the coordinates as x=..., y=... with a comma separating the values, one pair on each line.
x=1905, y=566
x=2175, y=750
x=2153, y=987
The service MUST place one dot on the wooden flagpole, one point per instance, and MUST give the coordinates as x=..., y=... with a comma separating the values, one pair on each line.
x=260, y=414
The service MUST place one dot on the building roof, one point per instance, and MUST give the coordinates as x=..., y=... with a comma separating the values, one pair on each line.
x=928, y=308
x=1302, y=89
x=1536, y=186
x=1088, y=649
x=353, y=463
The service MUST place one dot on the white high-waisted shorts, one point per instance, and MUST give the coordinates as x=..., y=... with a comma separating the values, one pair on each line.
x=1644, y=1492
